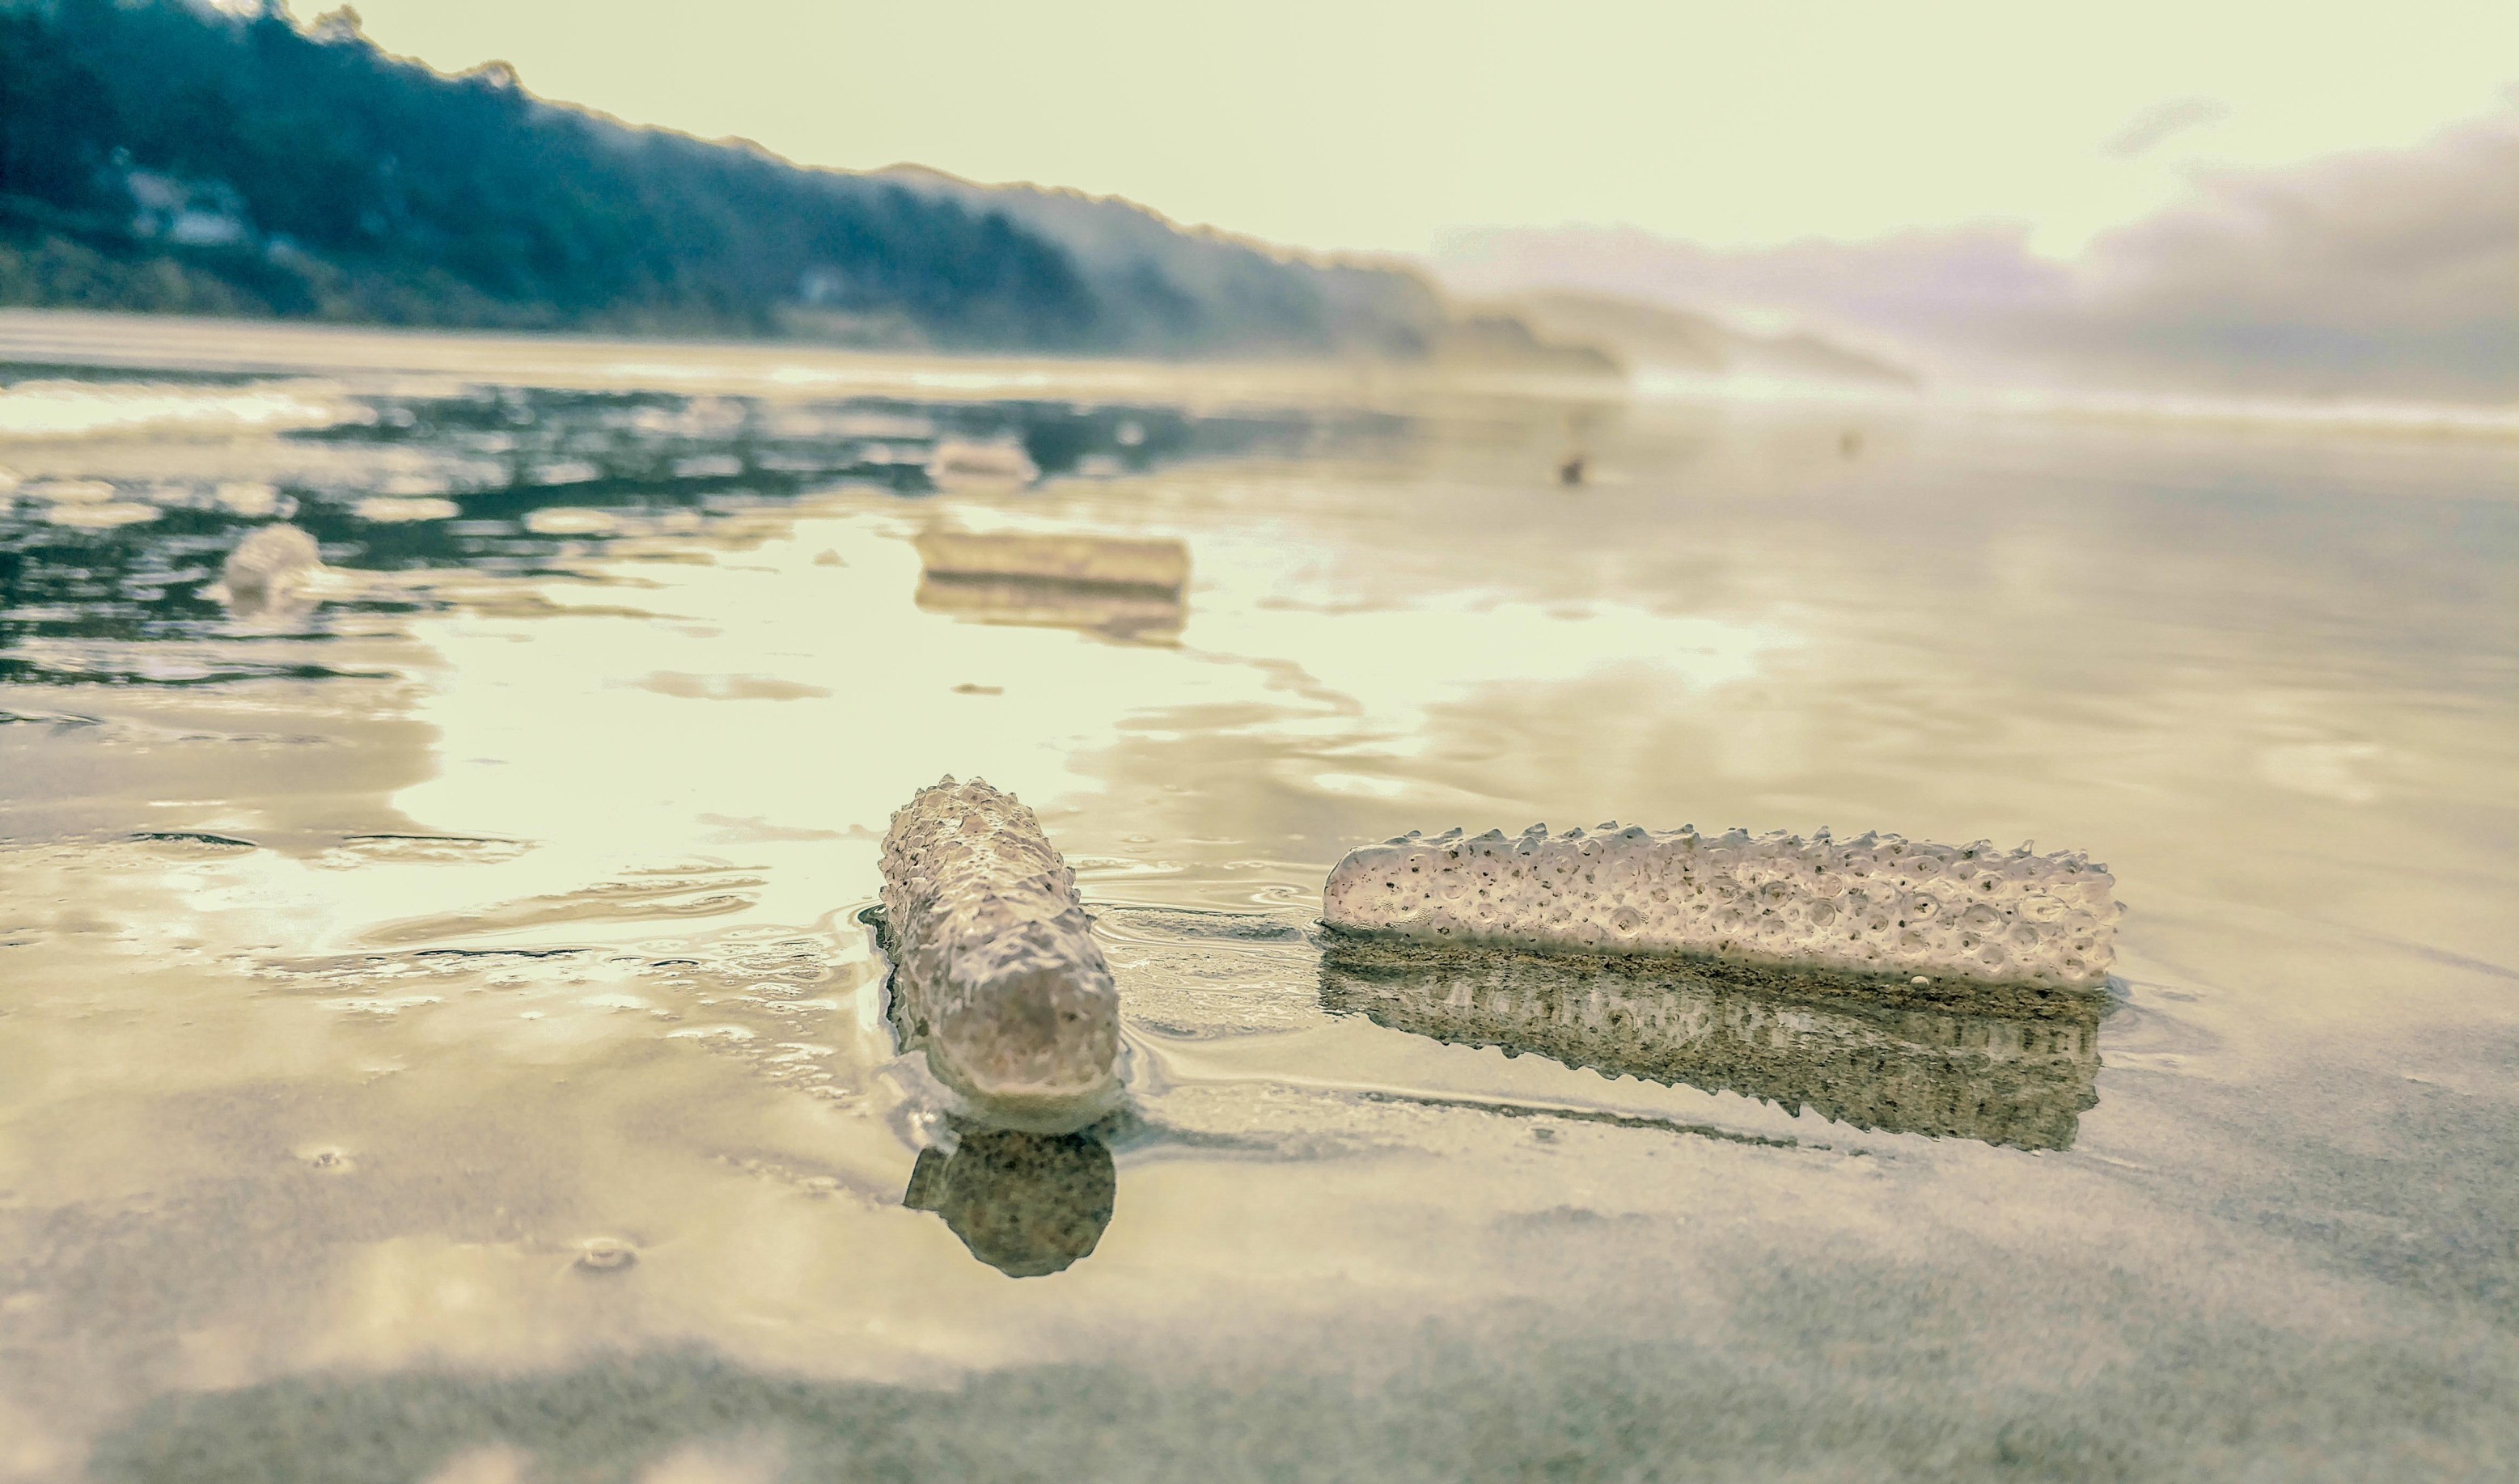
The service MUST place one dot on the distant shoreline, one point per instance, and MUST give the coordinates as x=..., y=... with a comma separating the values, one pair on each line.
x=796, y=368
x=269, y=346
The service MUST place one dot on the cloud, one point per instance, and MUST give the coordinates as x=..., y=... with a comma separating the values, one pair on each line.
x=2378, y=272
x=2396, y=265
x=2145, y=130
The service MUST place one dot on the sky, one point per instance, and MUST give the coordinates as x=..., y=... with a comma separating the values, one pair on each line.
x=1384, y=125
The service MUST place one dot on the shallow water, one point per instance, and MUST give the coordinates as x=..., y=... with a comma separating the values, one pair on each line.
x=438, y=1041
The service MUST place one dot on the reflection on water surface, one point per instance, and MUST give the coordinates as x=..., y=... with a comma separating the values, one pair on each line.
x=1025, y=1203
x=1960, y=1068
x=510, y=480
x=367, y=963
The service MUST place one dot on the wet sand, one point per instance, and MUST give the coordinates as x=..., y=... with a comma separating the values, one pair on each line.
x=438, y=1040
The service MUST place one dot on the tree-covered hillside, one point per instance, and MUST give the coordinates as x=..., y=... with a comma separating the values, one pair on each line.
x=170, y=155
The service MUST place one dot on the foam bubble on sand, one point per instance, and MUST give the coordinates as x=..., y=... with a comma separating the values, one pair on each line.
x=247, y=497
x=994, y=968
x=960, y=464
x=63, y=409
x=69, y=491
x=569, y=520
x=393, y=509
x=1876, y=903
x=101, y=517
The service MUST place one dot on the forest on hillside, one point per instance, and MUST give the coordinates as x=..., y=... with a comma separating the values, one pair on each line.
x=168, y=155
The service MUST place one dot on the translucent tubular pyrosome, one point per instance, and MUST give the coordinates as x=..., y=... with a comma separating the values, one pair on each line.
x=267, y=563
x=1871, y=904
x=994, y=968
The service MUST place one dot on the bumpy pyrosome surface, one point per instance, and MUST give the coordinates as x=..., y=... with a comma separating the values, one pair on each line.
x=995, y=967
x=1874, y=903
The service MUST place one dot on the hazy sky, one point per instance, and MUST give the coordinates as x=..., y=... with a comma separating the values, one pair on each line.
x=1378, y=124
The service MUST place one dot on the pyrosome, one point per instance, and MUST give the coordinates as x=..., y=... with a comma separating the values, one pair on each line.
x=994, y=968
x=1095, y=561
x=1876, y=903
x=269, y=562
